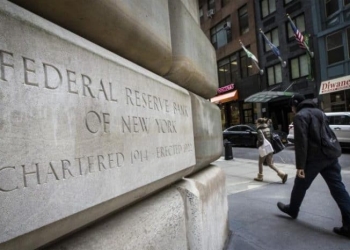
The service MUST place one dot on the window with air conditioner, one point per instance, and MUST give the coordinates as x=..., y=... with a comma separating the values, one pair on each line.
x=220, y=34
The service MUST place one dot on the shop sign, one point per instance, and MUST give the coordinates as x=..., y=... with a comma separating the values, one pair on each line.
x=334, y=85
x=226, y=88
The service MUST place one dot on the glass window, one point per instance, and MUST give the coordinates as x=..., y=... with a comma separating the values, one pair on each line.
x=224, y=72
x=287, y=1
x=274, y=74
x=299, y=67
x=237, y=128
x=235, y=115
x=234, y=68
x=225, y=2
x=346, y=2
x=211, y=4
x=331, y=7
x=245, y=64
x=228, y=70
x=200, y=12
x=273, y=37
x=299, y=21
x=221, y=34
x=337, y=96
x=243, y=20
x=267, y=7
x=348, y=38
x=335, y=47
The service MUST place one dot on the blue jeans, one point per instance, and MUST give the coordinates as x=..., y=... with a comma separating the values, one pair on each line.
x=330, y=171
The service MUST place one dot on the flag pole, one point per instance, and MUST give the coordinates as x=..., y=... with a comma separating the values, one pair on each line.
x=304, y=43
x=283, y=63
x=255, y=63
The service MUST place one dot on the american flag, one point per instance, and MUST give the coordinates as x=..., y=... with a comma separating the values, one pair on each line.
x=298, y=36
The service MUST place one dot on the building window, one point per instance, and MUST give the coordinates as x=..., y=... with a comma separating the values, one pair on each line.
x=245, y=64
x=331, y=7
x=287, y=1
x=200, y=12
x=348, y=38
x=221, y=34
x=299, y=21
x=273, y=37
x=267, y=7
x=234, y=68
x=243, y=20
x=346, y=2
x=235, y=115
x=274, y=74
x=335, y=48
x=225, y=2
x=211, y=4
x=299, y=67
x=224, y=72
x=228, y=70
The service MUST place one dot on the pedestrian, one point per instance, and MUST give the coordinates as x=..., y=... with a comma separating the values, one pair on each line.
x=311, y=160
x=264, y=132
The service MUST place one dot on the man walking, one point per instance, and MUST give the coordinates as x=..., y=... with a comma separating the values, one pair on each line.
x=311, y=160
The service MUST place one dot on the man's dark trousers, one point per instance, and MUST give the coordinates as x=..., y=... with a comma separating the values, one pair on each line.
x=330, y=171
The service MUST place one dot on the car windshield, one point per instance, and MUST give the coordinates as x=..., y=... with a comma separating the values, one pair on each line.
x=252, y=125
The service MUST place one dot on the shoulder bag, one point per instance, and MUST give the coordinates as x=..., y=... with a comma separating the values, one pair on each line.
x=266, y=148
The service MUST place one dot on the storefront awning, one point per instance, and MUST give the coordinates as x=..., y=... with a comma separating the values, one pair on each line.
x=231, y=96
x=266, y=96
x=334, y=85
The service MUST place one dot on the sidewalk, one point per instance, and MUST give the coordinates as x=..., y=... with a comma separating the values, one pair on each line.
x=255, y=221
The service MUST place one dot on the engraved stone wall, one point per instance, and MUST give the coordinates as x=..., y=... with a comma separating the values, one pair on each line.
x=79, y=125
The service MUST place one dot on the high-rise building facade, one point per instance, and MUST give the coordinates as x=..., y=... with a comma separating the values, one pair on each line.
x=333, y=37
x=294, y=71
x=285, y=66
x=226, y=23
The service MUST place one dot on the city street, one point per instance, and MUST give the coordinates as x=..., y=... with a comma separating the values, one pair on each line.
x=254, y=219
x=286, y=156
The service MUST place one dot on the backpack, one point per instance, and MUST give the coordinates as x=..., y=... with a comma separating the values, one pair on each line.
x=329, y=143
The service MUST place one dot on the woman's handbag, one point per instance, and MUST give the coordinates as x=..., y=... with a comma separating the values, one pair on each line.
x=266, y=148
x=276, y=143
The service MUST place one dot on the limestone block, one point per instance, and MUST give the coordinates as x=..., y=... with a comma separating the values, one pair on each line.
x=81, y=129
x=194, y=59
x=206, y=208
x=156, y=223
x=207, y=130
x=193, y=8
x=134, y=29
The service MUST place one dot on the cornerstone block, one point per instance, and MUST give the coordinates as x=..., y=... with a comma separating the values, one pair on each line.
x=194, y=59
x=134, y=29
x=79, y=126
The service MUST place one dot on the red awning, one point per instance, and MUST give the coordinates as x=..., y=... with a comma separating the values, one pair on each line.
x=231, y=96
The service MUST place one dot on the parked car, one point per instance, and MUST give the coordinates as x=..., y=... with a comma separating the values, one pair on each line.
x=340, y=124
x=246, y=135
x=290, y=136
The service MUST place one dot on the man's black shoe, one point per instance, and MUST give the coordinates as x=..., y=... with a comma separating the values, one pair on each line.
x=285, y=209
x=342, y=231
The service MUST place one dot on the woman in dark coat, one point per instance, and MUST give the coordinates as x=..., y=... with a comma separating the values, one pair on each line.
x=264, y=131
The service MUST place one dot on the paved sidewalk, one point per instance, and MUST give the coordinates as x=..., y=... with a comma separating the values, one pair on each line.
x=256, y=222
